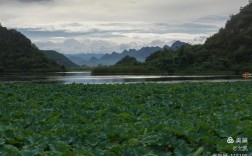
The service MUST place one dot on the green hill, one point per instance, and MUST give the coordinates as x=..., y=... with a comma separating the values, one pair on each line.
x=235, y=40
x=60, y=59
x=127, y=60
x=18, y=54
x=228, y=50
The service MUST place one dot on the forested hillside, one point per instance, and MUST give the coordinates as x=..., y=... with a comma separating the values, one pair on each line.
x=18, y=54
x=228, y=51
x=60, y=59
x=234, y=42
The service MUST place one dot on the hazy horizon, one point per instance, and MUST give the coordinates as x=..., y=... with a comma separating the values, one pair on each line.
x=105, y=26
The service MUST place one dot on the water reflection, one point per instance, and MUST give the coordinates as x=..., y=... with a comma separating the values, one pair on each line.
x=87, y=78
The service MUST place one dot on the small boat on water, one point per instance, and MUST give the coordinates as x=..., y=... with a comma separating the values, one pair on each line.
x=247, y=75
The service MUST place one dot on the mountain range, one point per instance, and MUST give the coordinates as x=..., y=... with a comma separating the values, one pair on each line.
x=111, y=59
x=83, y=59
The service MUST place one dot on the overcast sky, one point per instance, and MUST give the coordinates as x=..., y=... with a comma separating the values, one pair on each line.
x=104, y=26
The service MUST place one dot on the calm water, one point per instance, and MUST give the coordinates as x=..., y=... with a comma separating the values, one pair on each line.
x=87, y=78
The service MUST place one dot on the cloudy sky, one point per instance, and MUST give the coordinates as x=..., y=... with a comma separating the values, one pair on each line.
x=104, y=26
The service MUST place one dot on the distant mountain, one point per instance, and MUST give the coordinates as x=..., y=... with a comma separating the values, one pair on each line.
x=140, y=55
x=83, y=59
x=60, y=59
x=176, y=45
x=93, y=61
x=17, y=53
x=144, y=52
x=111, y=59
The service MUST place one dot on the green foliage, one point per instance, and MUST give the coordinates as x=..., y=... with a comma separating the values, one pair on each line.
x=59, y=59
x=236, y=35
x=162, y=61
x=127, y=61
x=17, y=53
x=136, y=119
x=217, y=64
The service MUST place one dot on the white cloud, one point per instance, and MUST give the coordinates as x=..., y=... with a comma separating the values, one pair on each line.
x=69, y=46
x=112, y=25
x=131, y=45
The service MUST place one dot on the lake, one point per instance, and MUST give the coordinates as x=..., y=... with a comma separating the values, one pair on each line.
x=87, y=78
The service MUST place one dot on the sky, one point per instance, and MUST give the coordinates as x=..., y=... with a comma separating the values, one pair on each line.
x=105, y=26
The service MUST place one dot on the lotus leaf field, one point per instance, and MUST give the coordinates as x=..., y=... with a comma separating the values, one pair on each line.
x=124, y=119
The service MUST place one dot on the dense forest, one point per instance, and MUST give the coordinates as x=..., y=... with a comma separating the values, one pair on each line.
x=228, y=51
x=18, y=54
x=60, y=59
